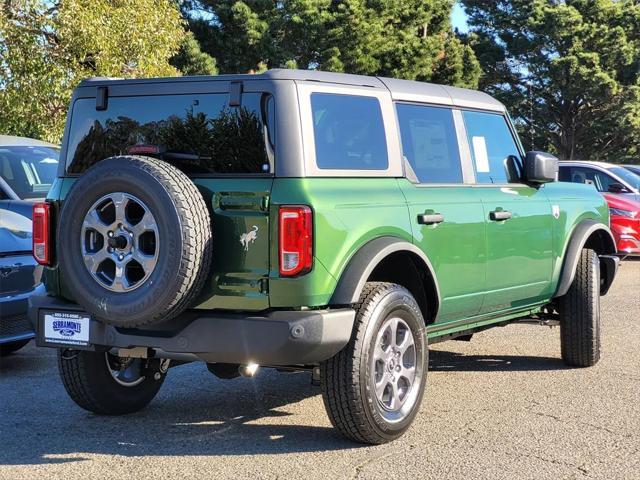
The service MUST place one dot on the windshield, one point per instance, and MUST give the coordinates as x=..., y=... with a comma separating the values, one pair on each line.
x=29, y=170
x=629, y=177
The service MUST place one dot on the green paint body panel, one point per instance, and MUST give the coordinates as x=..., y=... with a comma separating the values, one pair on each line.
x=456, y=247
x=487, y=272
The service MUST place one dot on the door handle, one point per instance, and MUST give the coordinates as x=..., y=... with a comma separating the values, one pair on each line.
x=430, y=218
x=499, y=215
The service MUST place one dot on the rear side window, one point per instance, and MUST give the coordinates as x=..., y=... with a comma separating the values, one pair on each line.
x=349, y=132
x=495, y=155
x=429, y=143
x=200, y=134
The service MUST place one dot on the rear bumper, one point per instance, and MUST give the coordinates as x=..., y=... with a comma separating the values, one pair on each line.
x=14, y=323
x=274, y=338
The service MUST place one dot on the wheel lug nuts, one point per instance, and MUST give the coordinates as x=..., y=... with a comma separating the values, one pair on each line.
x=398, y=368
x=121, y=257
x=110, y=233
x=131, y=234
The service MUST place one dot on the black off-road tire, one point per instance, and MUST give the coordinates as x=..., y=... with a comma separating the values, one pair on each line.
x=184, y=231
x=89, y=383
x=11, y=347
x=580, y=314
x=348, y=396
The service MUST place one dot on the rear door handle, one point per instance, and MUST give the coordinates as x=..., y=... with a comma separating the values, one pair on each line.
x=499, y=215
x=430, y=218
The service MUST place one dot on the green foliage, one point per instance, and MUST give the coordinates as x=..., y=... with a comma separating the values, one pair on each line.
x=47, y=47
x=190, y=60
x=568, y=70
x=400, y=38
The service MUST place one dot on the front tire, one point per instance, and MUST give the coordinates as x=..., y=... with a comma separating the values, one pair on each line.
x=580, y=314
x=373, y=388
x=105, y=384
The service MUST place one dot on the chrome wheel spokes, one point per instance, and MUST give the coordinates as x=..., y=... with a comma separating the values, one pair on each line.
x=119, y=241
x=394, y=364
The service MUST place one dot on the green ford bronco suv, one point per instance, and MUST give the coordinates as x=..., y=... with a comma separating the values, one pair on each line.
x=308, y=221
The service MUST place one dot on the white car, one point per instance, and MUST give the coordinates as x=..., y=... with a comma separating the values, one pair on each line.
x=605, y=177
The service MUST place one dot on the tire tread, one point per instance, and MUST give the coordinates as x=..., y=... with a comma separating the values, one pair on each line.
x=580, y=314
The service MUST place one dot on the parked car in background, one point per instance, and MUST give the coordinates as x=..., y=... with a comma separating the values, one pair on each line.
x=27, y=169
x=605, y=177
x=633, y=168
x=625, y=223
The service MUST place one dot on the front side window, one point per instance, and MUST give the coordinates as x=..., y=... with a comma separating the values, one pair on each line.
x=348, y=132
x=429, y=143
x=494, y=152
x=29, y=170
x=200, y=134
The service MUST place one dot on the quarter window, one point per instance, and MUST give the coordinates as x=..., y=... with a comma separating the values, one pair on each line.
x=429, y=143
x=495, y=155
x=348, y=132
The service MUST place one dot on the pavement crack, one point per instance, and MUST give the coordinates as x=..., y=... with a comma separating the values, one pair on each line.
x=357, y=470
x=579, y=422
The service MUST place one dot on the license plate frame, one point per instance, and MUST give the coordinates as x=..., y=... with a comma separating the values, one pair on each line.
x=65, y=328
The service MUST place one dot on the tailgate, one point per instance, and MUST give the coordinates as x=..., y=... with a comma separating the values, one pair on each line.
x=241, y=243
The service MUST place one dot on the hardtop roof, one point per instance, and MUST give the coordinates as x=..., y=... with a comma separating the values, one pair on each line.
x=401, y=90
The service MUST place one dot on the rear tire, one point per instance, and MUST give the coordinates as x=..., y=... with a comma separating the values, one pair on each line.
x=580, y=314
x=363, y=385
x=89, y=381
x=12, y=347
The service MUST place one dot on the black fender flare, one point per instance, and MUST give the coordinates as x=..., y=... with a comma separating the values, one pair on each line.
x=365, y=260
x=579, y=237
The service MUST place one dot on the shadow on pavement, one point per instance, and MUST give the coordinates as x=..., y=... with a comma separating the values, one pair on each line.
x=445, y=361
x=195, y=414
x=199, y=416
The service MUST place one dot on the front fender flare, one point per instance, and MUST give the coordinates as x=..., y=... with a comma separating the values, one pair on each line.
x=362, y=264
x=579, y=238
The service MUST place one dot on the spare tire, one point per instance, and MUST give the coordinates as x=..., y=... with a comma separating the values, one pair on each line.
x=134, y=241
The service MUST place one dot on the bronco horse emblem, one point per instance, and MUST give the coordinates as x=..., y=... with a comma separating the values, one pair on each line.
x=249, y=237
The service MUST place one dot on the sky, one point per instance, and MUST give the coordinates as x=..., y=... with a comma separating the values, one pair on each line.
x=459, y=18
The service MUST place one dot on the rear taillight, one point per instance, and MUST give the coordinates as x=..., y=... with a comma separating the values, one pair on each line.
x=41, y=247
x=295, y=245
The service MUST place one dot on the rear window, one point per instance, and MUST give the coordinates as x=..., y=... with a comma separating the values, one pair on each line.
x=29, y=170
x=199, y=134
x=348, y=132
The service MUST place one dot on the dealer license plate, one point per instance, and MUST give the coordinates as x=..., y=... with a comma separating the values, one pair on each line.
x=67, y=328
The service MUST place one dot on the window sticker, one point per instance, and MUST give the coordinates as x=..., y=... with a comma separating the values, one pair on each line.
x=480, y=154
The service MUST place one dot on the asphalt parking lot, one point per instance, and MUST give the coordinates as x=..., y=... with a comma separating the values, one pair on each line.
x=500, y=406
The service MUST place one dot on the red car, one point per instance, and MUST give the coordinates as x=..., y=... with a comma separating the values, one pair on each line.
x=625, y=223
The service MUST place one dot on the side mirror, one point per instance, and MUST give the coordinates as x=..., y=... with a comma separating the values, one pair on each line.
x=540, y=167
x=617, y=188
